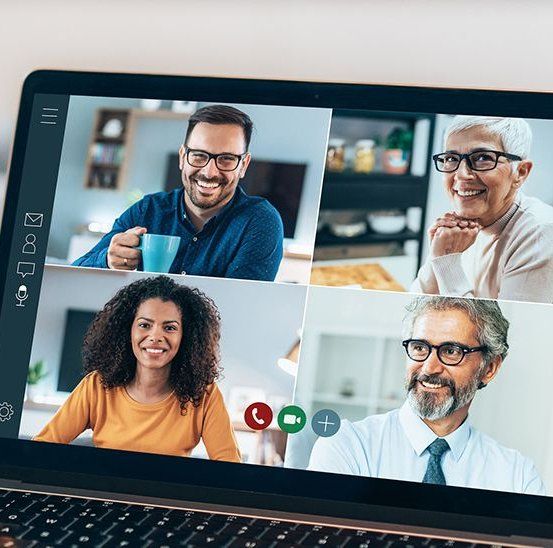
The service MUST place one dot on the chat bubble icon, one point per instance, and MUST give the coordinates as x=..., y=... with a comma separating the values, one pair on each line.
x=25, y=269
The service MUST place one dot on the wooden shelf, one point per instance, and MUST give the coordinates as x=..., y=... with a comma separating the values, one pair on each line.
x=339, y=177
x=326, y=238
x=106, y=165
x=377, y=193
x=99, y=138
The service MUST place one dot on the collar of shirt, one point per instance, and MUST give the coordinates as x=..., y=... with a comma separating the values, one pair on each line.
x=420, y=435
x=498, y=226
x=239, y=194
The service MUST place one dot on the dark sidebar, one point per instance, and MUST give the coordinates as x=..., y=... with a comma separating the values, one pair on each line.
x=28, y=252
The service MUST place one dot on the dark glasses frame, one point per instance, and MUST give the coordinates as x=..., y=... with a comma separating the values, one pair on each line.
x=237, y=157
x=439, y=348
x=498, y=154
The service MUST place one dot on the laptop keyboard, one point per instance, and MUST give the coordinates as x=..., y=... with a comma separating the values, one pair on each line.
x=37, y=520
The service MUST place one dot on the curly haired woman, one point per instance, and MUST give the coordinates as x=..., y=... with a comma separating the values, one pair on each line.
x=152, y=358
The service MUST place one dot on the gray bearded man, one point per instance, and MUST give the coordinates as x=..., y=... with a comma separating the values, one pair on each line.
x=454, y=347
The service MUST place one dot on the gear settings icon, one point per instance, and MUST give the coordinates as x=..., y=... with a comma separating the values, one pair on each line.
x=6, y=411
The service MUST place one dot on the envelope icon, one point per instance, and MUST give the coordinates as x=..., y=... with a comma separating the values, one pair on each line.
x=34, y=220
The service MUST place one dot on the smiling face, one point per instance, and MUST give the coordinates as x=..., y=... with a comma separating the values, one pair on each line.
x=156, y=333
x=482, y=195
x=435, y=390
x=209, y=187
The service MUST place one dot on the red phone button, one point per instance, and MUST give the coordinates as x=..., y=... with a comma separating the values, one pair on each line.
x=258, y=416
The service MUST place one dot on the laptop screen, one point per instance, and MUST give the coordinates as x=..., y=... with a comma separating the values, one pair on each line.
x=356, y=292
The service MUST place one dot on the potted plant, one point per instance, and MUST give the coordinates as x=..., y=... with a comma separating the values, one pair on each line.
x=37, y=372
x=395, y=158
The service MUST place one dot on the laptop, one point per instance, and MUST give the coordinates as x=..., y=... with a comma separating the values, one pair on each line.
x=252, y=313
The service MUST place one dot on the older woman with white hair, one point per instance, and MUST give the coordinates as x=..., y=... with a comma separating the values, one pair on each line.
x=496, y=242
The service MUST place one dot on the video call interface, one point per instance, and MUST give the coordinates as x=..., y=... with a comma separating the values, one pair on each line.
x=350, y=292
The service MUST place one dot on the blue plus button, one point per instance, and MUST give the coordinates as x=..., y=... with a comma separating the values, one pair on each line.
x=325, y=423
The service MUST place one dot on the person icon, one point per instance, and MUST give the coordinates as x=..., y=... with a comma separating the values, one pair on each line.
x=30, y=244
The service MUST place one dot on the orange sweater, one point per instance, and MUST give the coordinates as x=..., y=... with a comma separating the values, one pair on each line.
x=119, y=422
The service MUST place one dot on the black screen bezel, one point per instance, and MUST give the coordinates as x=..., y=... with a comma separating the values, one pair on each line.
x=250, y=485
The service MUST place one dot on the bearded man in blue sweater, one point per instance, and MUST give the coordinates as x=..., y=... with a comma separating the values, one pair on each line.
x=224, y=232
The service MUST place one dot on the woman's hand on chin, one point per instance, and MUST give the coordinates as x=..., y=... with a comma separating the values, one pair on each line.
x=452, y=234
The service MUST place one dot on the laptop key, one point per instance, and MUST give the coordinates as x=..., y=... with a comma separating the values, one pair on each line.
x=11, y=529
x=21, y=518
x=22, y=505
x=283, y=536
x=113, y=542
x=44, y=535
x=178, y=539
x=120, y=516
x=51, y=522
x=168, y=522
x=198, y=540
x=162, y=535
x=76, y=540
x=87, y=527
x=235, y=529
x=146, y=517
x=318, y=539
x=121, y=530
x=250, y=543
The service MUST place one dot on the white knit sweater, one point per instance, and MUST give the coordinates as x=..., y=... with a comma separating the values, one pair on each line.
x=512, y=259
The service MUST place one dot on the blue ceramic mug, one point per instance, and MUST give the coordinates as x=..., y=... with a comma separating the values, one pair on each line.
x=158, y=251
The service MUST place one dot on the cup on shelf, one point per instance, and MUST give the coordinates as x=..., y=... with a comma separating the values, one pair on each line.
x=387, y=222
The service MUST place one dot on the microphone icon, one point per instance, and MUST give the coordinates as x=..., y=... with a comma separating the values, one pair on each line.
x=21, y=295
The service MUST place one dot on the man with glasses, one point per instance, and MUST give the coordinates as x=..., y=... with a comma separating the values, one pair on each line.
x=454, y=348
x=495, y=242
x=223, y=231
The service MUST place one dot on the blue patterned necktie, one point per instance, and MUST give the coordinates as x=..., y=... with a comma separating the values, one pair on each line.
x=434, y=473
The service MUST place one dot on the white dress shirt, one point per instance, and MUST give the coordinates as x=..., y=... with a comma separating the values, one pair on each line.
x=393, y=446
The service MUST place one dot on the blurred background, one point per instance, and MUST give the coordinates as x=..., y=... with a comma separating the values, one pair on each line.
x=381, y=193
x=117, y=150
x=256, y=336
x=352, y=362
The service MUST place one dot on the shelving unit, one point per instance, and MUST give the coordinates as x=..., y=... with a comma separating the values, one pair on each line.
x=377, y=191
x=106, y=154
x=326, y=238
x=378, y=376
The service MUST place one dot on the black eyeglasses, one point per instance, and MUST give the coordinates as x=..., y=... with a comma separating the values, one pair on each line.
x=224, y=161
x=479, y=160
x=448, y=353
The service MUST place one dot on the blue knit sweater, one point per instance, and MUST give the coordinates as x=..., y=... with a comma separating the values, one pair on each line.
x=244, y=240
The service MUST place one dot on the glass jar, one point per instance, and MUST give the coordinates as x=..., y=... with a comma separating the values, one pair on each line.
x=336, y=155
x=364, y=156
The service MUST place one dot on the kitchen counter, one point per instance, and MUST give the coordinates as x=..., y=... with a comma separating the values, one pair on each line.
x=366, y=276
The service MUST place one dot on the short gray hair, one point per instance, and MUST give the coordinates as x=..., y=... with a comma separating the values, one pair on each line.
x=491, y=326
x=515, y=133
